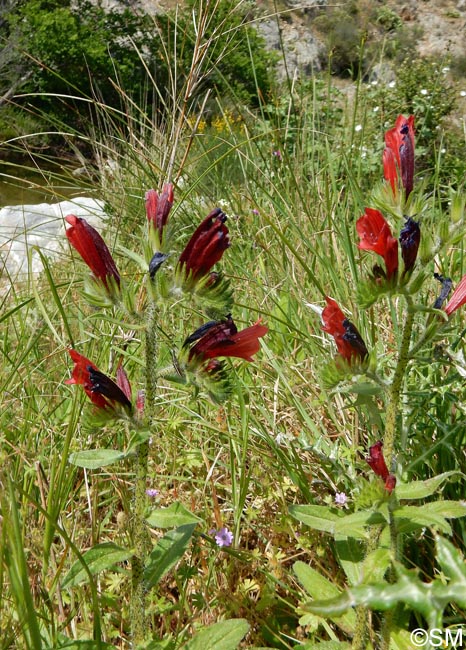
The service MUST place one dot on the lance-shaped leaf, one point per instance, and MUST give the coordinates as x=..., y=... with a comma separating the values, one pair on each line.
x=225, y=635
x=168, y=551
x=98, y=558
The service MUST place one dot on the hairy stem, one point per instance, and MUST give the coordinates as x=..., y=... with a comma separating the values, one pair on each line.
x=140, y=535
x=393, y=406
x=391, y=429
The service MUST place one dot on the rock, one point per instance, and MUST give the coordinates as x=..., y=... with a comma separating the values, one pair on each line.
x=301, y=51
x=25, y=226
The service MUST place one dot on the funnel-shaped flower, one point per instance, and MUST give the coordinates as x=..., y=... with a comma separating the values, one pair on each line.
x=92, y=248
x=398, y=155
x=158, y=208
x=222, y=339
x=205, y=248
x=458, y=297
x=347, y=338
x=102, y=391
x=410, y=237
x=377, y=463
x=375, y=235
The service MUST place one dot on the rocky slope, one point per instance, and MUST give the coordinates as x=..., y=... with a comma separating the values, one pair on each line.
x=438, y=27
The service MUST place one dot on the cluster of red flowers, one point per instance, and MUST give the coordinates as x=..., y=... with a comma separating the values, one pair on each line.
x=212, y=340
x=373, y=230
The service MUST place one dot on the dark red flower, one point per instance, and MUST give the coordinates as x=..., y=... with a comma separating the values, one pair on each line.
x=398, y=155
x=158, y=207
x=347, y=338
x=377, y=463
x=410, y=237
x=376, y=460
x=206, y=246
x=222, y=339
x=458, y=297
x=92, y=248
x=375, y=235
x=101, y=390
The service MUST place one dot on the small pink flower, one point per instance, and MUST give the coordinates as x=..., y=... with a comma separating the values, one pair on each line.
x=223, y=537
x=340, y=498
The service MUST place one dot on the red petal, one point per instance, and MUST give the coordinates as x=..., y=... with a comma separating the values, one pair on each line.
x=377, y=461
x=92, y=248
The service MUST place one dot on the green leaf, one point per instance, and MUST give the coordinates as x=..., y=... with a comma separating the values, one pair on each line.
x=434, y=513
x=225, y=635
x=360, y=388
x=98, y=558
x=317, y=517
x=95, y=458
x=172, y=517
x=375, y=565
x=448, y=509
x=422, y=489
x=350, y=555
x=84, y=644
x=451, y=560
x=324, y=645
x=355, y=524
x=167, y=552
x=317, y=586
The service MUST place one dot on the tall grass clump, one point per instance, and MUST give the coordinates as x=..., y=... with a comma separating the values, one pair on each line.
x=313, y=497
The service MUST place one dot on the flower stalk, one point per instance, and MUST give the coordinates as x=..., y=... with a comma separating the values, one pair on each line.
x=140, y=533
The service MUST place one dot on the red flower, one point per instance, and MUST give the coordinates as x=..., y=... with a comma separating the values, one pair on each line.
x=377, y=463
x=222, y=339
x=458, y=297
x=206, y=246
x=101, y=390
x=398, y=156
x=349, y=342
x=158, y=207
x=375, y=235
x=92, y=248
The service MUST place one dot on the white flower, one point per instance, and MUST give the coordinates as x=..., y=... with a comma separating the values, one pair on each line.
x=424, y=92
x=445, y=70
x=376, y=108
x=358, y=127
x=392, y=84
x=463, y=93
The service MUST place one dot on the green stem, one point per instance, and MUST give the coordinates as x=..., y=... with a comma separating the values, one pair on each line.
x=393, y=406
x=139, y=625
x=391, y=428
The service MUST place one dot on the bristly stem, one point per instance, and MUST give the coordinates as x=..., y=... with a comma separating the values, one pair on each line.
x=140, y=535
x=391, y=428
x=393, y=405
